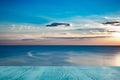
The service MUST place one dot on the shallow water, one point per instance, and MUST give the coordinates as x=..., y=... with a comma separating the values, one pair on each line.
x=59, y=73
x=60, y=55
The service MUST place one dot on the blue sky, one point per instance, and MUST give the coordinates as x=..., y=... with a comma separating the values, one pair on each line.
x=36, y=11
x=26, y=20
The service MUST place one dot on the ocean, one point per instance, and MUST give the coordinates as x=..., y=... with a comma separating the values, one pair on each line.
x=59, y=55
x=59, y=73
x=59, y=62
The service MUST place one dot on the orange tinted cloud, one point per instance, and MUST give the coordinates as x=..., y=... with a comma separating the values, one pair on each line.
x=62, y=41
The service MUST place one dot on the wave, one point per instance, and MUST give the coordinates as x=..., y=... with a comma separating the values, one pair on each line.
x=31, y=55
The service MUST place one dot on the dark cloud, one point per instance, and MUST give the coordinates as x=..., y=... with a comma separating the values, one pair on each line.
x=57, y=24
x=28, y=39
x=93, y=29
x=114, y=23
x=78, y=37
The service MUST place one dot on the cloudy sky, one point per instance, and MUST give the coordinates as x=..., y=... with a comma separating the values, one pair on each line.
x=23, y=22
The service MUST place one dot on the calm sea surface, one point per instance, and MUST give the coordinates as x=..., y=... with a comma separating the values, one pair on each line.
x=60, y=55
x=59, y=63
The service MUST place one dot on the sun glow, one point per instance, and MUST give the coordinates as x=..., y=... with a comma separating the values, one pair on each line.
x=116, y=35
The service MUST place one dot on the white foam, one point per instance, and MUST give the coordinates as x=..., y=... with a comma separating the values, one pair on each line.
x=30, y=54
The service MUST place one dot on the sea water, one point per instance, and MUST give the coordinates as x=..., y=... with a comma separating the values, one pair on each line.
x=60, y=55
x=59, y=62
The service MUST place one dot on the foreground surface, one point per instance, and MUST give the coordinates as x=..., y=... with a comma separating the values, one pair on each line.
x=59, y=73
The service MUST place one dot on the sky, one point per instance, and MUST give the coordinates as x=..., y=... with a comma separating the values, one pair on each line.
x=24, y=21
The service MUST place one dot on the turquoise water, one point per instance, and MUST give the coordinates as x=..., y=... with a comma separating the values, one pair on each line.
x=59, y=73
x=59, y=63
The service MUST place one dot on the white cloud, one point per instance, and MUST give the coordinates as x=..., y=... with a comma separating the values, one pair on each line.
x=81, y=27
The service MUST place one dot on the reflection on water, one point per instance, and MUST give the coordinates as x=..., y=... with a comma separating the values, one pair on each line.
x=60, y=55
x=117, y=59
x=93, y=59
